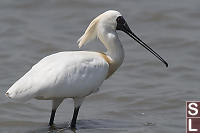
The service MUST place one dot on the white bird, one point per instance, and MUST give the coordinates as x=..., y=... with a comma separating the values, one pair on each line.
x=77, y=74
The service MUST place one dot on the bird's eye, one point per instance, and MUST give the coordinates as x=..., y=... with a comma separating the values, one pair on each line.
x=120, y=20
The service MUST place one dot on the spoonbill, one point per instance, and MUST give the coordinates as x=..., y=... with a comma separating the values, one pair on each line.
x=77, y=74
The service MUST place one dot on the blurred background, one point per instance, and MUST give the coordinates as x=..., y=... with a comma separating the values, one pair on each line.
x=142, y=96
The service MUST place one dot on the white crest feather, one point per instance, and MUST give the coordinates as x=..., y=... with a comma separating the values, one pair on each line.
x=89, y=34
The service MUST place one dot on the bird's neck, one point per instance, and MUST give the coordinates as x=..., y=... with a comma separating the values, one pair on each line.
x=114, y=48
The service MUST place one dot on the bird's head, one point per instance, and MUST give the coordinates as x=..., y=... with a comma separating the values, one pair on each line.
x=112, y=20
x=106, y=20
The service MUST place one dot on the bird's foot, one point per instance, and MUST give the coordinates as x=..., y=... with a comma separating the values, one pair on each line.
x=52, y=126
x=73, y=127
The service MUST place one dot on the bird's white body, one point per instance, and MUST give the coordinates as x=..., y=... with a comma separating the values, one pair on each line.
x=74, y=74
x=62, y=75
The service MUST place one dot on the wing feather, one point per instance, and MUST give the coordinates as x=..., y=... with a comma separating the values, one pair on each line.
x=53, y=74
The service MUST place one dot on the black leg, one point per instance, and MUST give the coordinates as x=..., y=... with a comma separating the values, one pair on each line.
x=73, y=122
x=52, y=117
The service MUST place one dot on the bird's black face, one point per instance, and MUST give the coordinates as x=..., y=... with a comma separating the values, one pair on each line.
x=123, y=26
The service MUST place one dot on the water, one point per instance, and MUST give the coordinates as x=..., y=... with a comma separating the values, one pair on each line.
x=142, y=96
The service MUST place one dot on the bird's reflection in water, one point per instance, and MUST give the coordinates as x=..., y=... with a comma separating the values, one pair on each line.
x=103, y=124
